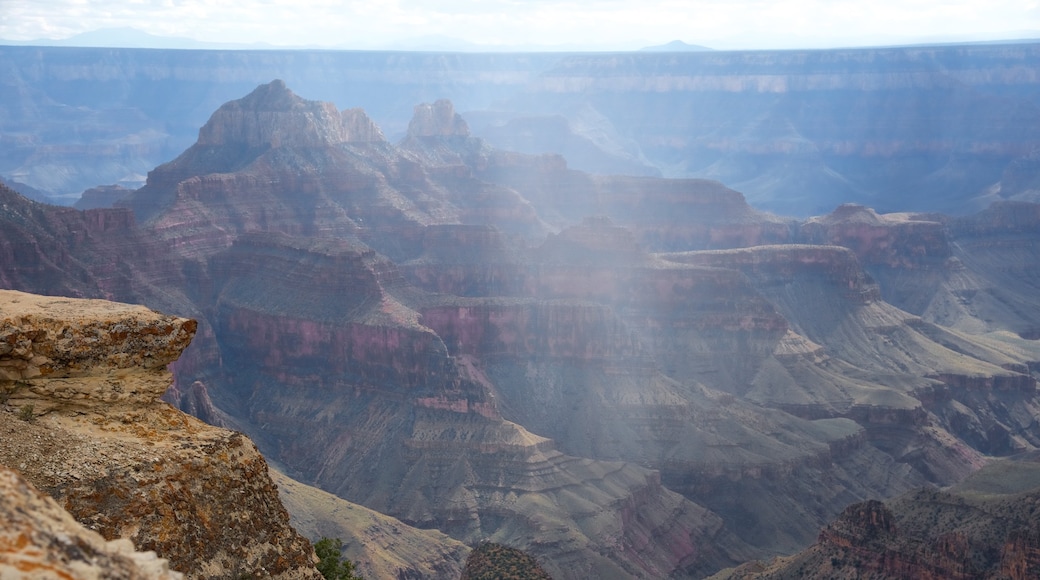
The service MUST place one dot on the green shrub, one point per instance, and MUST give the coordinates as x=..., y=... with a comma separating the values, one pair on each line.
x=332, y=564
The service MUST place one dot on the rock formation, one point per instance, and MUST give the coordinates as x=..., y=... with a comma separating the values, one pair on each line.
x=490, y=561
x=82, y=421
x=274, y=162
x=41, y=540
x=437, y=120
x=986, y=527
x=970, y=273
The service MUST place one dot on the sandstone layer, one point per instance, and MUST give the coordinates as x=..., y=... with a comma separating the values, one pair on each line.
x=82, y=422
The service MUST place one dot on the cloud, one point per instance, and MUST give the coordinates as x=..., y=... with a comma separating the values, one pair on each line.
x=724, y=24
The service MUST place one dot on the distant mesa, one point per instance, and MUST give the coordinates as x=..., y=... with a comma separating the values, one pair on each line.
x=675, y=46
x=101, y=196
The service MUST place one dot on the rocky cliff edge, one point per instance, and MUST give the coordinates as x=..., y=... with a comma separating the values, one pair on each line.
x=81, y=420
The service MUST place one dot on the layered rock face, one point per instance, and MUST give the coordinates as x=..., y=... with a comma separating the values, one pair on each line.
x=274, y=162
x=98, y=253
x=971, y=273
x=884, y=366
x=666, y=214
x=586, y=138
x=41, y=540
x=389, y=392
x=82, y=421
x=603, y=347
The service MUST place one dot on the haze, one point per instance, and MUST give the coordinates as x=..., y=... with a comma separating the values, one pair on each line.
x=521, y=25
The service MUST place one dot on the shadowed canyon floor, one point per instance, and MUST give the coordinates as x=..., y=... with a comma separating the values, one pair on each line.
x=622, y=376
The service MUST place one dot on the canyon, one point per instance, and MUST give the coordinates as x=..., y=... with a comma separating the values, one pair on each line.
x=623, y=376
x=920, y=128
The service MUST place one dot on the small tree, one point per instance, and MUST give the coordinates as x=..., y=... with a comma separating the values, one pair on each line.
x=332, y=564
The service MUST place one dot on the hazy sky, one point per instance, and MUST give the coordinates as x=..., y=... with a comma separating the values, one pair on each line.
x=723, y=24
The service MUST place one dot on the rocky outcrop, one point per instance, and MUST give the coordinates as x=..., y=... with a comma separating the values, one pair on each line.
x=272, y=116
x=81, y=382
x=985, y=528
x=491, y=561
x=891, y=240
x=437, y=120
x=41, y=540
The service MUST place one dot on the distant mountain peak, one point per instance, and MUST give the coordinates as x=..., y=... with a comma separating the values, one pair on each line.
x=274, y=116
x=675, y=46
x=273, y=96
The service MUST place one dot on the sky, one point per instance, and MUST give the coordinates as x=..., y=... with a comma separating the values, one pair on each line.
x=533, y=24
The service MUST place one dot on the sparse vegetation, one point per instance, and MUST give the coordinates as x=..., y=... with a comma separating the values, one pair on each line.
x=27, y=413
x=332, y=564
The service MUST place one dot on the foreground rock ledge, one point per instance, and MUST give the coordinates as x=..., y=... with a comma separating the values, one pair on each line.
x=81, y=419
x=38, y=539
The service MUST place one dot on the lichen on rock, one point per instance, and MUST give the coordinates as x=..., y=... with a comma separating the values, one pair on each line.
x=40, y=540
